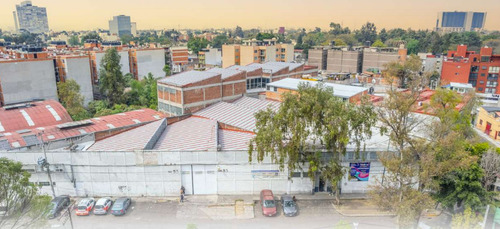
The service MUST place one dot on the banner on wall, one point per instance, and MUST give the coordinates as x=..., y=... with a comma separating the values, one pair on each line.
x=359, y=171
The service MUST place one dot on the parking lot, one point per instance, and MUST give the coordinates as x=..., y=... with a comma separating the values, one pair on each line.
x=171, y=214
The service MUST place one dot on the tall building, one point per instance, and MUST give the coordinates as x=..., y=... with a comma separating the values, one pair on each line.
x=30, y=18
x=460, y=21
x=120, y=25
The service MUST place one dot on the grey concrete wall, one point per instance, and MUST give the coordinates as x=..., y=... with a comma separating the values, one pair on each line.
x=315, y=58
x=28, y=80
x=78, y=69
x=150, y=61
x=378, y=59
x=342, y=61
x=213, y=57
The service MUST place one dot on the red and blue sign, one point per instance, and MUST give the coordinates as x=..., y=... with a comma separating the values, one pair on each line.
x=359, y=171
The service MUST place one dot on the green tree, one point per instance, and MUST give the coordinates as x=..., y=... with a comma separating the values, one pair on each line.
x=167, y=70
x=24, y=208
x=368, y=32
x=336, y=29
x=239, y=32
x=74, y=41
x=405, y=71
x=143, y=93
x=413, y=46
x=262, y=36
x=111, y=80
x=126, y=39
x=383, y=36
x=219, y=40
x=468, y=219
x=312, y=114
x=378, y=43
x=71, y=99
x=90, y=36
x=196, y=44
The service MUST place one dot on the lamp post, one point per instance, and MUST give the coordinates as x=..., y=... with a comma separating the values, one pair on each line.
x=45, y=163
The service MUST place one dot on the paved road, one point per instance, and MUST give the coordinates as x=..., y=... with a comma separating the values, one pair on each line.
x=313, y=214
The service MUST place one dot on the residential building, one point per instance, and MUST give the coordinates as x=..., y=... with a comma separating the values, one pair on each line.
x=275, y=90
x=30, y=18
x=145, y=61
x=459, y=87
x=488, y=121
x=78, y=68
x=256, y=52
x=120, y=25
x=375, y=59
x=460, y=21
x=133, y=28
x=343, y=61
x=318, y=57
x=179, y=59
x=210, y=57
x=479, y=69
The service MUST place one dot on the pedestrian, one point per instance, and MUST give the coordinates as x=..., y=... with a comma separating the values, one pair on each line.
x=183, y=191
x=294, y=200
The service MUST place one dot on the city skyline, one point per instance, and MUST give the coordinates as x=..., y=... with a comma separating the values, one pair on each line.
x=156, y=14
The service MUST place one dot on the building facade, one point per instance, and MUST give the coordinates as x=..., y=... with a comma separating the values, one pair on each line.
x=120, y=25
x=488, y=121
x=30, y=18
x=479, y=69
x=460, y=21
x=256, y=52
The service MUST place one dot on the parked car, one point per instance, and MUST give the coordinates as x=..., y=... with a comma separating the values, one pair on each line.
x=289, y=206
x=85, y=206
x=58, y=204
x=102, y=206
x=267, y=202
x=120, y=206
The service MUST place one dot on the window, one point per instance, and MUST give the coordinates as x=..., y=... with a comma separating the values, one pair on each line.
x=475, y=59
x=491, y=83
x=236, y=50
x=473, y=76
x=296, y=174
x=473, y=82
x=480, y=89
x=490, y=90
x=493, y=77
x=485, y=59
x=254, y=51
x=277, y=50
x=275, y=89
x=480, y=122
x=255, y=58
x=482, y=74
x=484, y=67
x=474, y=68
x=494, y=69
x=481, y=82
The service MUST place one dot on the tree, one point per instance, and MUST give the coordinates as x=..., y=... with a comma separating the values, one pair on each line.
x=219, y=40
x=383, y=35
x=126, y=39
x=143, y=93
x=405, y=71
x=71, y=99
x=262, y=36
x=91, y=36
x=74, y=41
x=336, y=29
x=378, y=43
x=167, y=70
x=307, y=124
x=413, y=46
x=111, y=80
x=239, y=32
x=368, y=32
x=490, y=162
x=468, y=219
x=23, y=206
x=196, y=44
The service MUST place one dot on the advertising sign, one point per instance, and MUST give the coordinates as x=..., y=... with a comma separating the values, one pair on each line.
x=359, y=171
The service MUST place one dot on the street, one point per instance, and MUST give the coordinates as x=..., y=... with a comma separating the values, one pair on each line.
x=171, y=214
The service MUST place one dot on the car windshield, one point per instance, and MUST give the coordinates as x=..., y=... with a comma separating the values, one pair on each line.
x=82, y=207
x=117, y=206
x=53, y=206
x=269, y=203
x=98, y=207
x=289, y=204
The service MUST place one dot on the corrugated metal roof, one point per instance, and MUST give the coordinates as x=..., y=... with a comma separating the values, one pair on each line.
x=272, y=66
x=339, y=90
x=53, y=133
x=256, y=104
x=135, y=139
x=39, y=114
x=188, y=77
x=191, y=134
x=248, y=68
x=226, y=73
x=234, y=140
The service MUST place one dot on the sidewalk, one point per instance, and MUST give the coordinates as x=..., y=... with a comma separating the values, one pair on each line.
x=359, y=207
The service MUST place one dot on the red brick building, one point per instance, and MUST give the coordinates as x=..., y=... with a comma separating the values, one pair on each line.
x=479, y=69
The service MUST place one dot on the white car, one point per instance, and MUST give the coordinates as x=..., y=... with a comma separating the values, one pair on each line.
x=102, y=206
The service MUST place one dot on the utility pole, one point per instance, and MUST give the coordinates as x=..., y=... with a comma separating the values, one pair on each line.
x=46, y=164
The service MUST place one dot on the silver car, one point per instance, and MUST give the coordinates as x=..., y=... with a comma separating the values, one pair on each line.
x=102, y=206
x=289, y=206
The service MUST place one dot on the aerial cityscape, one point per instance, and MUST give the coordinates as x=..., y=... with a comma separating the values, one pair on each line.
x=281, y=114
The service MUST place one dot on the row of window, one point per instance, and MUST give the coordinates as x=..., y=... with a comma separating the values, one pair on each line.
x=169, y=108
x=257, y=83
x=488, y=90
x=492, y=69
x=166, y=89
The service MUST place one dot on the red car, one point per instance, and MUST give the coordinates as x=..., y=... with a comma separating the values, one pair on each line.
x=85, y=206
x=267, y=202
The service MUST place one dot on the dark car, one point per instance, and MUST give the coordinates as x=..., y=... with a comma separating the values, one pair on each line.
x=120, y=206
x=58, y=204
x=267, y=202
x=289, y=206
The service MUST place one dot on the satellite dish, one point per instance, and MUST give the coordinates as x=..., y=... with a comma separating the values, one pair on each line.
x=41, y=161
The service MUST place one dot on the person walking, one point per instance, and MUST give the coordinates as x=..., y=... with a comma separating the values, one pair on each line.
x=183, y=191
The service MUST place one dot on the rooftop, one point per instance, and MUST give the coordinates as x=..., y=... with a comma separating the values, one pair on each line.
x=339, y=90
x=186, y=78
x=225, y=73
x=248, y=68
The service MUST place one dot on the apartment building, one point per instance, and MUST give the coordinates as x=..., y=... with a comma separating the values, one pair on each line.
x=210, y=57
x=78, y=68
x=460, y=21
x=30, y=18
x=479, y=69
x=488, y=121
x=256, y=52
x=179, y=59
x=145, y=61
x=375, y=59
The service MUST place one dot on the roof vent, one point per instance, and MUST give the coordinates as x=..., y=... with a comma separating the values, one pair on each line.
x=17, y=106
x=74, y=124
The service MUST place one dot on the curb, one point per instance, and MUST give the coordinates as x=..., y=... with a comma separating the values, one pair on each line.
x=361, y=215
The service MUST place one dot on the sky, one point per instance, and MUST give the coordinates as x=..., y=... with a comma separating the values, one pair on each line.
x=265, y=14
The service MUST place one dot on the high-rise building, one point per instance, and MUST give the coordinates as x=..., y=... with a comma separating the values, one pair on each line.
x=120, y=25
x=30, y=18
x=460, y=21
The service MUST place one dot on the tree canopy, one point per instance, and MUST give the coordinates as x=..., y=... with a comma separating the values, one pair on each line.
x=71, y=99
x=111, y=80
x=196, y=44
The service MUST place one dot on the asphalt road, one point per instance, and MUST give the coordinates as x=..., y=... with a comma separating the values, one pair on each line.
x=313, y=214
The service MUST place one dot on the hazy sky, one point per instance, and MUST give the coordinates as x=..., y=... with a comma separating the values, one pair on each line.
x=160, y=14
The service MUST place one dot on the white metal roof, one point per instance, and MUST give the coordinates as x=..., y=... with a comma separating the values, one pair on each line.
x=461, y=85
x=248, y=68
x=191, y=134
x=226, y=73
x=234, y=140
x=272, y=66
x=188, y=77
x=339, y=90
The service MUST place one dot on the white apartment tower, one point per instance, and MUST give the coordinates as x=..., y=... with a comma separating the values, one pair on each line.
x=30, y=18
